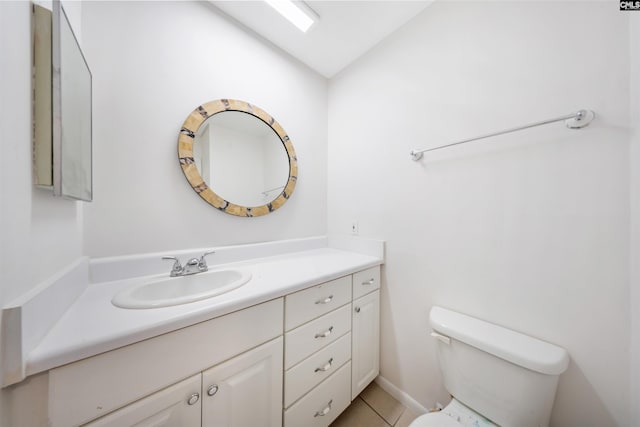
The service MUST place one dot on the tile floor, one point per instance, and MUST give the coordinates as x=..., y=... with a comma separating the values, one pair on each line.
x=375, y=408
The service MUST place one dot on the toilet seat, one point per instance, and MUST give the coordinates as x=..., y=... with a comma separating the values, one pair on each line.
x=455, y=414
x=434, y=419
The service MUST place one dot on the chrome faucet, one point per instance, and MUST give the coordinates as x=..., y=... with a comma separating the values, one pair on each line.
x=193, y=266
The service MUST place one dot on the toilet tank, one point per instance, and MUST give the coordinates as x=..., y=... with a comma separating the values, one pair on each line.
x=508, y=377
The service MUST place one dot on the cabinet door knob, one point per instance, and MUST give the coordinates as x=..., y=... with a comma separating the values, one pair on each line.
x=193, y=399
x=212, y=390
x=324, y=411
x=357, y=309
x=325, y=333
x=326, y=367
x=326, y=300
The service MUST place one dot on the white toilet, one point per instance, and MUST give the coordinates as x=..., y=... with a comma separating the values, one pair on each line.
x=496, y=376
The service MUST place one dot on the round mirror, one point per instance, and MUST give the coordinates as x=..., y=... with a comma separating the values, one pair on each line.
x=237, y=158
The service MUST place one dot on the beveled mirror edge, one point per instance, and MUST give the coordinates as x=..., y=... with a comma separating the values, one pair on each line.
x=41, y=97
x=185, y=154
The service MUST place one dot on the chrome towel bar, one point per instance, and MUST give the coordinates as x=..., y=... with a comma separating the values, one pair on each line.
x=575, y=120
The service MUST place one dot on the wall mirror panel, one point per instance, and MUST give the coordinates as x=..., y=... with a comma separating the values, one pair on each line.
x=62, y=107
x=72, y=112
x=237, y=158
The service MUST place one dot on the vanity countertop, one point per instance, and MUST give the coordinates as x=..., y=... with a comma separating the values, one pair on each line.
x=92, y=325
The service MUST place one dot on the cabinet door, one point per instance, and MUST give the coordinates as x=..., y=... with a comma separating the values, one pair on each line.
x=175, y=406
x=245, y=391
x=365, y=344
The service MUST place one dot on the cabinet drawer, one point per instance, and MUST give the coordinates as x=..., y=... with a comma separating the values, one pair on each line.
x=312, y=336
x=323, y=404
x=308, y=304
x=317, y=367
x=366, y=281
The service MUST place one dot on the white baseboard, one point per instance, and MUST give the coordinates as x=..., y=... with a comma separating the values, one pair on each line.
x=400, y=395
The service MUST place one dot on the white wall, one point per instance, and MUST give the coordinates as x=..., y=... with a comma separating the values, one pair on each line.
x=152, y=64
x=149, y=73
x=635, y=218
x=39, y=235
x=531, y=230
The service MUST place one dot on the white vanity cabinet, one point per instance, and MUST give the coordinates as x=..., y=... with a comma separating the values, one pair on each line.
x=234, y=344
x=242, y=392
x=177, y=405
x=329, y=347
x=317, y=354
x=365, y=350
x=293, y=361
x=365, y=354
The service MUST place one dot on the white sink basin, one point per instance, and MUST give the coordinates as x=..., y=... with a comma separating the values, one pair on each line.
x=168, y=291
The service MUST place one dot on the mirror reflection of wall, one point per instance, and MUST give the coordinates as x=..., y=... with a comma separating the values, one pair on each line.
x=75, y=100
x=237, y=158
x=242, y=158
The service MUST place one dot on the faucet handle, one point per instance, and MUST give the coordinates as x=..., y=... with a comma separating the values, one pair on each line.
x=203, y=263
x=177, y=267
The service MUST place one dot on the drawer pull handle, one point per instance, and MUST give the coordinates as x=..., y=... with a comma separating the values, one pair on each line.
x=326, y=367
x=369, y=282
x=325, y=333
x=193, y=399
x=212, y=390
x=326, y=300
x=325, y=411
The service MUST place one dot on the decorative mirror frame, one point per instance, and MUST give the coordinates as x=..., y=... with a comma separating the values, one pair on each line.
x=185, y=154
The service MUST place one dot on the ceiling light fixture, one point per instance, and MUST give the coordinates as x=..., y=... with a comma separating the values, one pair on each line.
x=296, y=12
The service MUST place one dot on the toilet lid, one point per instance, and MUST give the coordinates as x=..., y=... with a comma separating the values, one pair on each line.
x=434, y=419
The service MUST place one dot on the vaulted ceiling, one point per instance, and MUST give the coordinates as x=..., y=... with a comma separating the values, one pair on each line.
x=345, y=30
